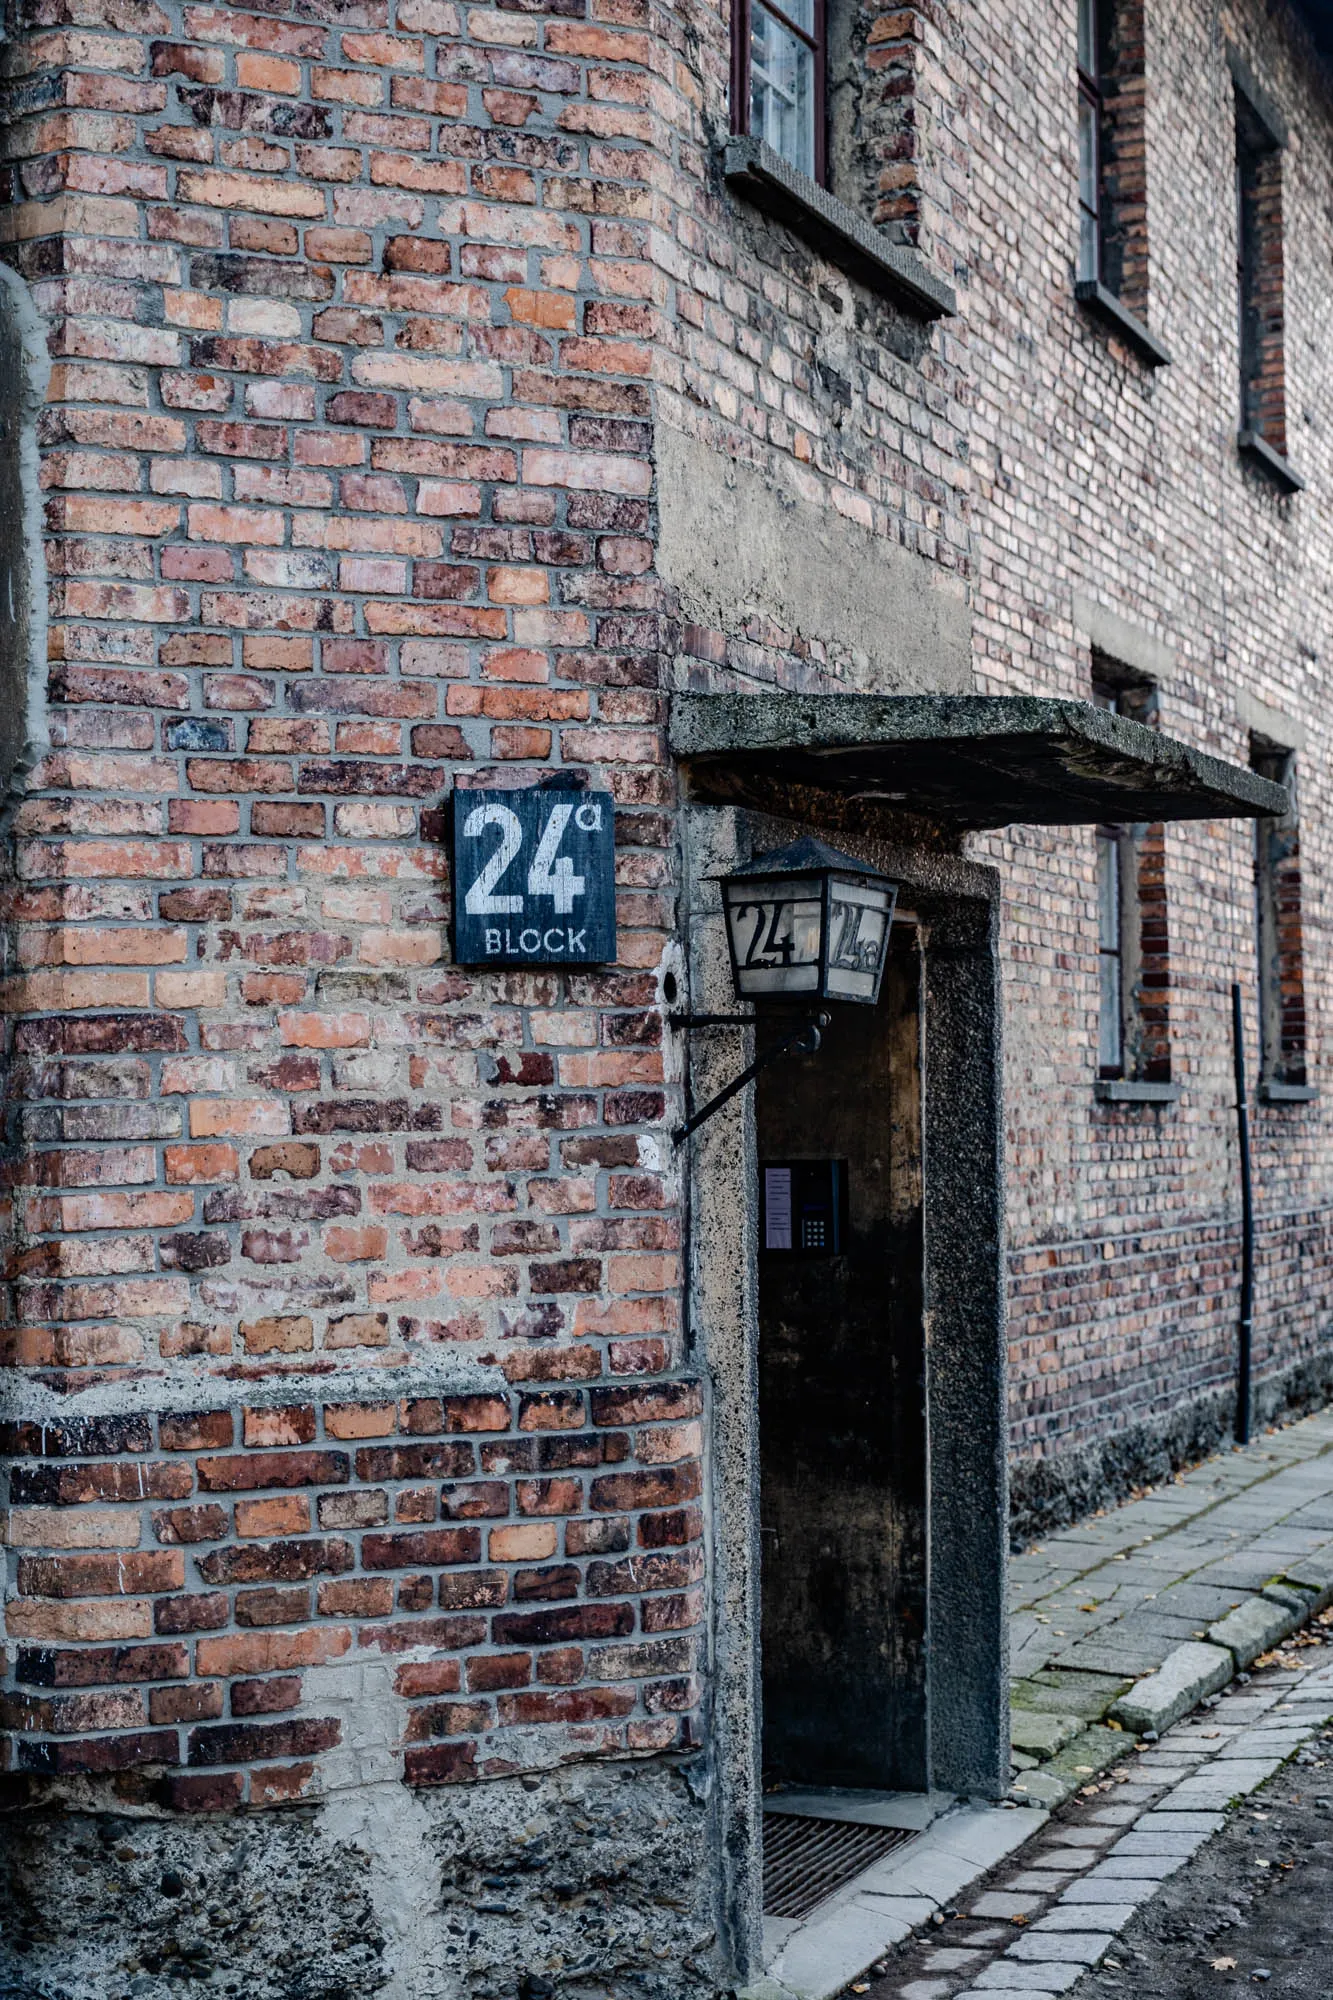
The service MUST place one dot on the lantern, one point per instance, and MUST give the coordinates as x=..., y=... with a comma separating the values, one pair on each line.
x=808, y=923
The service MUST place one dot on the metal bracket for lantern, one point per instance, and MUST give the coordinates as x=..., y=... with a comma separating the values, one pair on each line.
x=802, y=1041
x=806, y=923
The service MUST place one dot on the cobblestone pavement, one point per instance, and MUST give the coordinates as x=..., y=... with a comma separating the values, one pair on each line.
x=1230, y=1556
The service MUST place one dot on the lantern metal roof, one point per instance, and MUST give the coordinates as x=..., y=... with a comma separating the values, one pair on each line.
x=972, y=761
x=806, y=856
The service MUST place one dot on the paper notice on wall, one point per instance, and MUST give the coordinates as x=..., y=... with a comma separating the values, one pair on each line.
x=777, y=1208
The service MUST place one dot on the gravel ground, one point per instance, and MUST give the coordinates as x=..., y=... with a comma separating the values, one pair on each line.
x=1254, y=1909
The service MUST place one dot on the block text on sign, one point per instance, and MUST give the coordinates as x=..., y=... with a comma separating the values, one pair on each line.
x=534, y=878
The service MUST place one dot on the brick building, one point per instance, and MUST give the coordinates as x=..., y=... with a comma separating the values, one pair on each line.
x=909, y=427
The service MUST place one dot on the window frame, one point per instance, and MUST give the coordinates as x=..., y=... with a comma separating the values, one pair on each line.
x=1110, y=854
x=1284, y=1054
x=742, y=20
x=1261, y=303
x=1250, y=152
x=1090, y=93
x=1141, y=946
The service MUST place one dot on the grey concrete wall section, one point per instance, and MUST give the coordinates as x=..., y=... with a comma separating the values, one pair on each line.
x=590, y=1881
x=722, y=1206
x=736, y=546
x=24, y=369
x=965, y=1341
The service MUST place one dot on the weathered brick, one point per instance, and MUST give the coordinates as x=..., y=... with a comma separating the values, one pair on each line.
x=433, y=1546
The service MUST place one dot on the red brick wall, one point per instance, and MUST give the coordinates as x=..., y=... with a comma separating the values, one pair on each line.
x=361, y=318
x=346, y=467
x=1096, y=475
x=532, y=1557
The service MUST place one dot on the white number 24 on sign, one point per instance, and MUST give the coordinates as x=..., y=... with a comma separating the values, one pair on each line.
x=550, y=873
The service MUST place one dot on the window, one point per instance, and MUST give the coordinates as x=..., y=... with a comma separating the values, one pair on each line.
x=1259, y=280
x=1111, y=269
x=777, y=85
x=1277, y=896
x=1110, y=955
x=1089, y=143
x=1133, y=1024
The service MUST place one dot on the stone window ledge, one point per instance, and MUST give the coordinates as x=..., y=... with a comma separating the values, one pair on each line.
x=1273, y=1092
x=1129, y=1090
x=763, y=177
x=1261, y=453
x=1103, y=304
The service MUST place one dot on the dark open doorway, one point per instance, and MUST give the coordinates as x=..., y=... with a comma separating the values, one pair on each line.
x=842, y=1400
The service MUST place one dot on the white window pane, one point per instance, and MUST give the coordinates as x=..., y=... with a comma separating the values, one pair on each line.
x=1087, y=190
x=1108, y=892
x=782, y=89
x=1088, y=258
x=1087, y=37
x=1109, y=1048
x=1087, y=153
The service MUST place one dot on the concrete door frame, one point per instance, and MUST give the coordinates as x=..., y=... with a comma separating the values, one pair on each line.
x=956, y=905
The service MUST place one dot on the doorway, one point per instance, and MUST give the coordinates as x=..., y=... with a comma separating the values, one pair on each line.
x=842, y=1400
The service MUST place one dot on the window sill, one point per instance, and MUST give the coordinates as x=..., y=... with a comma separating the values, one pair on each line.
x=754, y=170
x=1104, y=305
x=1128, y=1090
x=1272, y=1092
x=1258, y=450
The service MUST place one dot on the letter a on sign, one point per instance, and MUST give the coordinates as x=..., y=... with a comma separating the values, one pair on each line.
x=534, y=878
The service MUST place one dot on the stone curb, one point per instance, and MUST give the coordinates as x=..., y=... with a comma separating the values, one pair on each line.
x=1252, y=1628
x=1185, y=1676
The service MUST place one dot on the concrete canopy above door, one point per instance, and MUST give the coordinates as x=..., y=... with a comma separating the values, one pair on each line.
x=972, y=761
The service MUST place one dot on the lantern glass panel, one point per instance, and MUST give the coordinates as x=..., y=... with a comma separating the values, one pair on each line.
x=774, y=927
x=859, y=915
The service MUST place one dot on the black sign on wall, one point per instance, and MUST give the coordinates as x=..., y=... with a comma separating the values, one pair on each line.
x=534, y=878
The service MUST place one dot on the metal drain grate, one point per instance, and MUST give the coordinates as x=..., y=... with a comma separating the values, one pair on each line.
x=806, y=1860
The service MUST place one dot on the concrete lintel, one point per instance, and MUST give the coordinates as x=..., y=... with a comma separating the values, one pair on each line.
x=1098, y=299
x=1262, y=104
x=1131, y=1090
x=1274, y=724
x=1125, y=643
x=1254, y=446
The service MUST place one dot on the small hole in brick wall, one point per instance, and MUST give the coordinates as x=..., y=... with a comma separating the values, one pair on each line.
x=669, y=988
